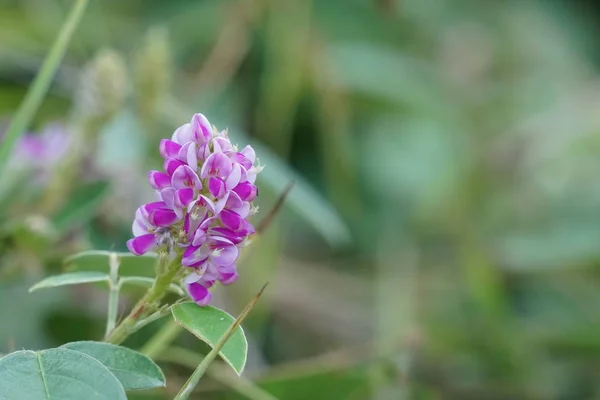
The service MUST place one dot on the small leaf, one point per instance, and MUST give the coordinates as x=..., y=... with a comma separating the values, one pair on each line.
x=82, y=205
x=71, y=278
x=134, y=370
x=56, y=374
x=97, y=260
x=209, y=324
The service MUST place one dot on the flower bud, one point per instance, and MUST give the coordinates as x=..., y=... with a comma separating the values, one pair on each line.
x=102, y=88
x=153, y=69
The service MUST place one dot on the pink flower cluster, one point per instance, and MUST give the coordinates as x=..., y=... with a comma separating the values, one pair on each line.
x=204, y=198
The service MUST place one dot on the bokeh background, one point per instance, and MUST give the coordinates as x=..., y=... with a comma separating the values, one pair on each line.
x=441, y=240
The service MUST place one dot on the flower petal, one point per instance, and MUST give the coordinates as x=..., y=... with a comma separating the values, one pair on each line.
x=142, y=244
x=246, y=191
x=228, y=278
x=171, y=164
x=233, y=201
x=146, y=209
x=158, y=180
x=242, y=160
x=228, y=234
x=211, y=274
x=231, y=220
x=199, y=294
x=191, y=278
x=222, y=145
x=194, y=256
x=189, y=155
x=185, y=177
x=183, y=134
x=206, y=203
x=183, y=197
x=225, y=255
x=169, y=148
x=216, y=187
x=249, y=153
x=162, y=217
x=203, y=151
x=139, y=227
x=202, y=128
x=234, y=177
x=216, y=165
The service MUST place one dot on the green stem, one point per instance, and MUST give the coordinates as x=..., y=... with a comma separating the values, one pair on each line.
x=192, y=382
x=217, y=372
x=161, y=340
x=113, y=306
x=149, y=303
x=113, y=294
x=41, y=83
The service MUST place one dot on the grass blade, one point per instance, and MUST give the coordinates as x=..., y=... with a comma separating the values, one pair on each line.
x=41, y=83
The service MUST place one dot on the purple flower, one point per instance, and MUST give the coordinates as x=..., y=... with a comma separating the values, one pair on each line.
x=205, y=192
x=48, y=147
x=199, y=293
x=40, y=153
x=151, y=227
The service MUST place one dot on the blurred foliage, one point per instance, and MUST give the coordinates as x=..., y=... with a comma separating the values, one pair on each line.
x=446, y=213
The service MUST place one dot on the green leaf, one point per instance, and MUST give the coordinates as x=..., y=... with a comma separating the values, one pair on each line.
x=71, y=278
x=209, y=324
x=56, y=374
x=82, y=205
x=30, y=330
x=97, y=260
x=134, y=370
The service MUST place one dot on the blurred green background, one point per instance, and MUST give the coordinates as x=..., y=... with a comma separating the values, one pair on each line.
x=442, y=239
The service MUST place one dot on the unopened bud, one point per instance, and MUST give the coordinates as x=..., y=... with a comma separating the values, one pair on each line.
x=103, y=86
x=153, y=69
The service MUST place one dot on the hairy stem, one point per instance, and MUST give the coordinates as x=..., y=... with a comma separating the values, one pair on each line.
x=149, y=303
x=113, y=294
x=113, y=306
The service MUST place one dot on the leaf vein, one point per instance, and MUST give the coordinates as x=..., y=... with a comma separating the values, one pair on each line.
x=43, y=377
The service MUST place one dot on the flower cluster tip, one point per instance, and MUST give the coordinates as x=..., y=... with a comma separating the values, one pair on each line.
x=204, y=197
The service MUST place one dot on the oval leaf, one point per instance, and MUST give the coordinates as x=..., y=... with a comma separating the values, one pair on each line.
x=209, y=324
x=72, y=278
x=134, y=370
x=56, y=374
x=97, y=260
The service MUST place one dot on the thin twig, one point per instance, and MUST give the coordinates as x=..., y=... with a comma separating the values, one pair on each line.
x=191, y=383
x=264, y=224
x=217, y=371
